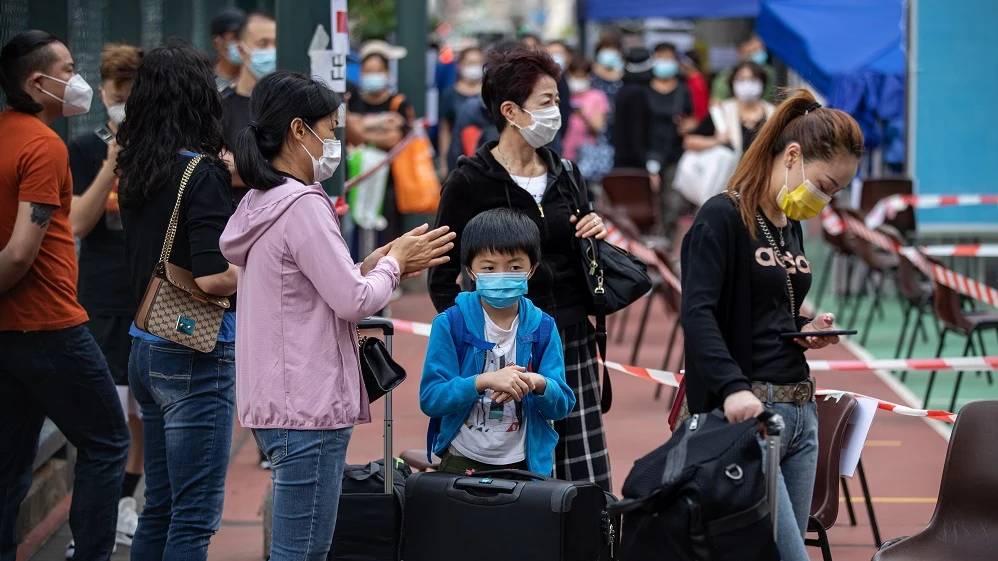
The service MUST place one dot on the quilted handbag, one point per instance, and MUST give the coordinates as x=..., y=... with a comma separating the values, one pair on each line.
x=174, y=307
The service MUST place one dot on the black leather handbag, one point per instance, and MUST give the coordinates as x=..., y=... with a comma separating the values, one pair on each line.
x=616, y=279
x=381, y=373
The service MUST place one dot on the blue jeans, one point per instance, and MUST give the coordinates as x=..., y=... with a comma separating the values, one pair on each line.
x=308, y=475
x=798, y=464
x=187, y=399
x=61, y=375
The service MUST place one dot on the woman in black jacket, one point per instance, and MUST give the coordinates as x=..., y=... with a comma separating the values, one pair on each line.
x=519, y=172
x=744, y=278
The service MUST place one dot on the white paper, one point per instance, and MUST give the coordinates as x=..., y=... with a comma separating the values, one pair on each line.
x=856, y=433
x=340, y=46
x=322, y=66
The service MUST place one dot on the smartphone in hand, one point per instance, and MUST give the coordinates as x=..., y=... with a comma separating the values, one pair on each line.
x=104, y=134
x=803, y=334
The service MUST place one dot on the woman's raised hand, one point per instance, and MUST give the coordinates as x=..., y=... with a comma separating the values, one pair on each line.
x=421, y=249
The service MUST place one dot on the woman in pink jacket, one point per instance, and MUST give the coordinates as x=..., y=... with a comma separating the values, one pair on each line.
x=298, y=381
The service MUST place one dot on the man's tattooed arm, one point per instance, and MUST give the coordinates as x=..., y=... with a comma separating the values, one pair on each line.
x=41, y=214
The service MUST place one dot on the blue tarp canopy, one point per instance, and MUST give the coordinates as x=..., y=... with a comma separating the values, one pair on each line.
x=608, y=10
x=850, y=51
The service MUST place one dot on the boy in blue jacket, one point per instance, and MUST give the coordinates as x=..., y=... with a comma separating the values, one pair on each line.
x=495, y=370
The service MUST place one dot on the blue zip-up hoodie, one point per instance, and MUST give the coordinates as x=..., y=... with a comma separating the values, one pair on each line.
x=447, y=389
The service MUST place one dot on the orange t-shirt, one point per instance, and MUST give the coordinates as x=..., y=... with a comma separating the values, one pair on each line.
x=34, y=168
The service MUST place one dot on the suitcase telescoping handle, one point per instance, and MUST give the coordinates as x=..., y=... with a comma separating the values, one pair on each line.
x=387, y=329
x=771, y=426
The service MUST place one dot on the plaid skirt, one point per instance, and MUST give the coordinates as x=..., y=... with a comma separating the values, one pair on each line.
x=581, y=453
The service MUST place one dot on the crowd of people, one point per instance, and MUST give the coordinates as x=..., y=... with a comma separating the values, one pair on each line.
x=213, y=167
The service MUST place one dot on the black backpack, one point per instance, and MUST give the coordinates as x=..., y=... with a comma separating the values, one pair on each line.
x=701, y=496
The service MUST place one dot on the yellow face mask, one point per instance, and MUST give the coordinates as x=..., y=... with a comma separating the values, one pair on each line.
x=804, y=202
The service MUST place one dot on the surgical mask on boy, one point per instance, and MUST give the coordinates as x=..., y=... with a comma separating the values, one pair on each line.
x=665, y=68
x=77, y=97
x=544, y=126
x=325, y=166
x=804, y=202
x=501, y=290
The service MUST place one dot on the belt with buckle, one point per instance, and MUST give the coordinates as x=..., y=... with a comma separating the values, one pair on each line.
x=798, y=394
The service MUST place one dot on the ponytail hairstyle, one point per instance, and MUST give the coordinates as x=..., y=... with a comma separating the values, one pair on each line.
x=822, y=133
x=278, y=99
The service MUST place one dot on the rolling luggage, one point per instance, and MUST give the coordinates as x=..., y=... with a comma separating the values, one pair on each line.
x=703, y=496
x=369, y=519
x=507, y=514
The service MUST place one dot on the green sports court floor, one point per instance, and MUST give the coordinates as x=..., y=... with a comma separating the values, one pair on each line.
x=883, y=338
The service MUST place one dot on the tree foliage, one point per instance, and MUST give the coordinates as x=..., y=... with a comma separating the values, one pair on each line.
x=371, y=19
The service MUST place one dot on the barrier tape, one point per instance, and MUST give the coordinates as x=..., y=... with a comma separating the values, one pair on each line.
x=965, y=250
x=889, y=207
x=946, y=277
x=389, y=157
x=672, y=379
x=644, y=253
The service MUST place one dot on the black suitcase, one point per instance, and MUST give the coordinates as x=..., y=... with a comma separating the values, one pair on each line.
x=506, y=514
x=369, y=518
x=702, y=496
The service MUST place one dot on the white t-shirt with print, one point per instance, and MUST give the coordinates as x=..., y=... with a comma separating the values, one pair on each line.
x=493, y=434
x=533, y=185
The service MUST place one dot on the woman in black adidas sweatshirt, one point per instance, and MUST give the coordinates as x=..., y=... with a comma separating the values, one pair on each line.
x=519, y=172
x=745, y=276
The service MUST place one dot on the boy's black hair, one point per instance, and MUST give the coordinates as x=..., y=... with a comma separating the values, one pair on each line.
x=503, y=231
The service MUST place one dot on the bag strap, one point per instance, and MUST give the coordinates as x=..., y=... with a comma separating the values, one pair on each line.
x=599, y=311
x=396, y=102
x=541, y=339
x=171, y=230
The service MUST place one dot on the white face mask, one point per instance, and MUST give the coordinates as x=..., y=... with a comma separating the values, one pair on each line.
x=114, y=112
x=472, y=73
x=545, y=126
x=578, y=85
x=325, y=166
x=77, y=97
x=747, y=90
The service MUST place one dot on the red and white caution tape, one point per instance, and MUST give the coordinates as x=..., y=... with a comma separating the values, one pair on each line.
x=672, y=379
x=832, y=222
x=644, y=253
x=936, y=414
x=889, y=208
x=965, y=250
x=946, y=277
x=956, y=363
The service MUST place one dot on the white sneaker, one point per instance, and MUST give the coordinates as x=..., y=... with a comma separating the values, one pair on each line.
x=71, y=549
x=128, y=521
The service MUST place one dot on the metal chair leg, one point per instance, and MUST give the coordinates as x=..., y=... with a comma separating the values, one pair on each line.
x=904, y=329
x=624, y=316
x=932, y=375
x=821, y=541
x=668, y=356
x=878, y=287
x=864, y=289
x=823, y=282
x=849, y=509
x=641, y=327
x=869, y=505
x=984, y=352
x=959, y=375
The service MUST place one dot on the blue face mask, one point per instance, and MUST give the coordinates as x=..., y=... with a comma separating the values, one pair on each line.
x=610, y=59
x=665, y=69
x=559, y=60
x=759, y=57
x=371, y=83
x=501, y=290
x=263, y=62
x=233, y=55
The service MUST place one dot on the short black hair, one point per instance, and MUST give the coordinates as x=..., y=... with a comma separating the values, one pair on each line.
x=229, y=19
x=262, y=15
x=503, y=231
x=666, y=46
x=29, y=51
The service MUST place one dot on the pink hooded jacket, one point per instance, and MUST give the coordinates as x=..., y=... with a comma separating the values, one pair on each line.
x=300, y=296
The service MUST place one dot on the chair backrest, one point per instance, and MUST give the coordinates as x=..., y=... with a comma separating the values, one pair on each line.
x=969, y=489
x=630, y=191
x=866, y=251
x=673, y=298
x=910, y=279
x=833, y=418
x=875, y=190
x=844, y=243
x=947, y=304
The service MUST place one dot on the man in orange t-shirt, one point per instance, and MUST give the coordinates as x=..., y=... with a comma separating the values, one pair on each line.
x=51, y=365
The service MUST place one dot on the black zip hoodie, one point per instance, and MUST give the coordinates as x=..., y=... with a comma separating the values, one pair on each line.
x=480, y=183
